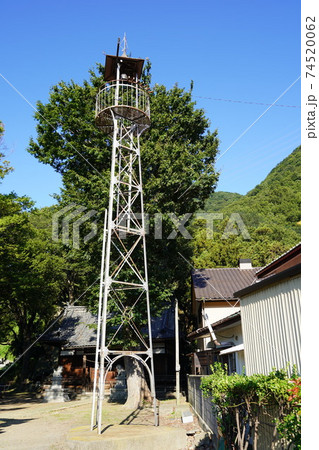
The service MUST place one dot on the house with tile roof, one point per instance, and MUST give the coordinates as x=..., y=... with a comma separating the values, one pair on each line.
x=75, y=338
x=217, y=313
x=256, y=325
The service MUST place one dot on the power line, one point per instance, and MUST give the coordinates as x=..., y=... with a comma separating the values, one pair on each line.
x=258, y=118
x=245, y=131
x=244, y=101
x=49, y=123
x=51, y=325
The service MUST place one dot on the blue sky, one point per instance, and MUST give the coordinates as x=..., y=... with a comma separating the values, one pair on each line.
x=244, y=53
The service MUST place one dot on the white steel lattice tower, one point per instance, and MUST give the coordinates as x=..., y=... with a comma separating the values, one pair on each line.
x=122, y=109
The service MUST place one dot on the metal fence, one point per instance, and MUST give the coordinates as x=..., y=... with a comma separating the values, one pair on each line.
x=267, y=433
x=202, y=406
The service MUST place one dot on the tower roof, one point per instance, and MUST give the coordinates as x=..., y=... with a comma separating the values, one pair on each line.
x=131, y=66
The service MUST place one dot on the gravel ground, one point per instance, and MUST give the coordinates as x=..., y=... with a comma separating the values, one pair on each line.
x=29, y=423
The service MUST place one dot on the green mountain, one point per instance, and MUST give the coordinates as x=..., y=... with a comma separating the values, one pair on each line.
x=259, y=225
x=277, y=199
x=219, y=200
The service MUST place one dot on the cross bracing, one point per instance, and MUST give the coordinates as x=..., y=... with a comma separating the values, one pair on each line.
x=124, y=320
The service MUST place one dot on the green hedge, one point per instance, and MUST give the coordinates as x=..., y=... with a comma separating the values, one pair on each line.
x=240, y=401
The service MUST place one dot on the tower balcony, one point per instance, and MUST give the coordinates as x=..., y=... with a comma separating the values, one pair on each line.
x=122, y=99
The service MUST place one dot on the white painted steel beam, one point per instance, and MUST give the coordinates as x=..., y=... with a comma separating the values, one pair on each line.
x=124, y=277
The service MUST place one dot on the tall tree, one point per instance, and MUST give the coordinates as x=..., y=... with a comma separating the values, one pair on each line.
x=178, y=153
x=31, y=277
x=5, y=167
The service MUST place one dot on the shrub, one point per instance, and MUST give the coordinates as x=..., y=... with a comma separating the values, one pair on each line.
x=240, y=400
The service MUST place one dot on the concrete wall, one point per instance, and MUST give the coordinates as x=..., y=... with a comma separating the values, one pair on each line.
x=216, y=313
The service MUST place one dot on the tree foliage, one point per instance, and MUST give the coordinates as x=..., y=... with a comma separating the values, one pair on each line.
x=219, y=200
x=178, y=152
x=30, y=278
x=36, y=278
x=5, y=167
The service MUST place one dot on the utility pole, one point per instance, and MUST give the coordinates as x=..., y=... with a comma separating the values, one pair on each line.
x=177, y=365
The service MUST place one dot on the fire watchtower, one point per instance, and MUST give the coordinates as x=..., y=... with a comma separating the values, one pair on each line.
x=123, y=96
x=122, y=108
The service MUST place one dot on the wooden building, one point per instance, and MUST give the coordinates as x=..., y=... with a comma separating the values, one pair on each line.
x=75, y=337
x=216, y=307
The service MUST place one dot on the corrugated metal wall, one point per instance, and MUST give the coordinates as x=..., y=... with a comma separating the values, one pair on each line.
x=271, y=327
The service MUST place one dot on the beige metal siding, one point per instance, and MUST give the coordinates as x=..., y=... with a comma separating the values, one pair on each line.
x=271, y=327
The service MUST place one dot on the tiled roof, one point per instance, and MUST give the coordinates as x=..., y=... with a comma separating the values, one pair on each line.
x=271, y=279
x=77, y=328
x=221, y=283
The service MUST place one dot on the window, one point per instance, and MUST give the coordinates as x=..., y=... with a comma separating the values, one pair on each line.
x=230, y=360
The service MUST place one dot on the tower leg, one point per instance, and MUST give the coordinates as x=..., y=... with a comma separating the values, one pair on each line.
x=98, y=335
x=124, y=276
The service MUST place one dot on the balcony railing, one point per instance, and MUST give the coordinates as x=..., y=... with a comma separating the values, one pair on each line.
x=127, y=100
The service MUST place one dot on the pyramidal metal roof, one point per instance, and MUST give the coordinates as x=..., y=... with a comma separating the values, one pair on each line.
x=221, y=283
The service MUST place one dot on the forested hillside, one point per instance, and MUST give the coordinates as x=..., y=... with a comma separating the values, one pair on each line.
x=270, y=213
x=219, y=200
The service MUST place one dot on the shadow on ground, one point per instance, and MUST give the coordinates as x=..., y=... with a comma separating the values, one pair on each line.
x=5, y=423
x=14, y=398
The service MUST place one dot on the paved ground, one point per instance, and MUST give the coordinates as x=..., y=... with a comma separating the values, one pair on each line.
x=27, y=423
